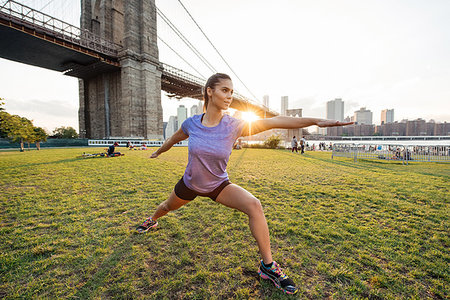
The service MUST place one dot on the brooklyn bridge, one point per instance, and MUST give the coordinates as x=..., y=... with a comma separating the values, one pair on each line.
x=114, y=54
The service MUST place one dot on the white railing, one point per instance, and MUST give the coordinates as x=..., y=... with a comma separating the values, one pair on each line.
x=135, y=143
x=403, y=153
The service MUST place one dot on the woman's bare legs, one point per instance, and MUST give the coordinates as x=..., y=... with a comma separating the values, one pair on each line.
x=172, y=203
x=236, y=197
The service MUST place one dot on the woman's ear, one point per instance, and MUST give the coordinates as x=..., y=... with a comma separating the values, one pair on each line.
x=209, y=91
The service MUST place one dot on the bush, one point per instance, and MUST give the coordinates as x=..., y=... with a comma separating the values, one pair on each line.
x=65, y=133
x=272, y=141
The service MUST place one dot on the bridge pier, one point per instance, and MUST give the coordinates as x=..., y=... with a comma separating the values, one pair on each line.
x=127, y=103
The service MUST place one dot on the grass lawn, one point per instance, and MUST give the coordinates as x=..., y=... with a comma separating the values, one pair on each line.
x=377, y=230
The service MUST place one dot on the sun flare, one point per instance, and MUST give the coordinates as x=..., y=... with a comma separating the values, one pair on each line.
x=249, y=116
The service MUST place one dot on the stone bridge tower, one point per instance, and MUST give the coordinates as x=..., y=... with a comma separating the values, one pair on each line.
x=126, y=103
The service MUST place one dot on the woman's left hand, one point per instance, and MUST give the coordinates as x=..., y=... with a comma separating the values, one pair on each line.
x=332, y=123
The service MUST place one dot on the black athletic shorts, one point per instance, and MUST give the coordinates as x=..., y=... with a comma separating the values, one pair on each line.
x=185, y=193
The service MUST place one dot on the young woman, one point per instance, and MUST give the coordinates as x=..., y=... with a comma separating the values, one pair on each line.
x=211, y=138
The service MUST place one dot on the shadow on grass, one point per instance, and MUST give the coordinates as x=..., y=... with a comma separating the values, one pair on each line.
x=238, y=160
x=122, y=250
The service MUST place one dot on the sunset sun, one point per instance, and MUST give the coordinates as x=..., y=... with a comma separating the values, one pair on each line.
x=249, y=116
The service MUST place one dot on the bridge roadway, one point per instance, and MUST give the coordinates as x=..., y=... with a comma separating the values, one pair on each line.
x=31, y=37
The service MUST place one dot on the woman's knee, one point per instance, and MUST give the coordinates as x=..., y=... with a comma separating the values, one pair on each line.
x=254, y=206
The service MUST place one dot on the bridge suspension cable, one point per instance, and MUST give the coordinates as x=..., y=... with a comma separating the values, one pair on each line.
x=186, y=41
x=203, y=77
x=48, y=3
x=215, y=48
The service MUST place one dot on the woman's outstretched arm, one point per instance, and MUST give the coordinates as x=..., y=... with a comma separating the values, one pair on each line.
x=178, y=136
x=288, y=123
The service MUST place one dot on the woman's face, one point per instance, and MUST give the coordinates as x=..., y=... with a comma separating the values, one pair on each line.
x=222, y=94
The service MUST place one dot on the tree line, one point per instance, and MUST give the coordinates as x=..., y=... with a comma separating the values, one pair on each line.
x=20, y=130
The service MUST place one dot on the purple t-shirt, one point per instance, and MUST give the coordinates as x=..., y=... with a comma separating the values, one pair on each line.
x=209, y=151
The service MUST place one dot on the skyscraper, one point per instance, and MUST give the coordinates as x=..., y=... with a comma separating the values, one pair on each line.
x=199, y=108
x=194, y=110
x=335, y=109
x=387, y=116
x=171, y=126
x=363, y=116
x=284, y=105
x=266, y=100
x=181, y=115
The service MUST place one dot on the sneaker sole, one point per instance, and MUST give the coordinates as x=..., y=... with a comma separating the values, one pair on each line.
x=264, y=276
x=144, y=231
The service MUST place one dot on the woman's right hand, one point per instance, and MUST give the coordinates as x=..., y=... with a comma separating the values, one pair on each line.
x=154, y=154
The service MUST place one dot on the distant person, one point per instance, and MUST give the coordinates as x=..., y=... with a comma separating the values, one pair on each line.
x=302, y=144
x=294, y=144
x=211, y=138
x=112, y=150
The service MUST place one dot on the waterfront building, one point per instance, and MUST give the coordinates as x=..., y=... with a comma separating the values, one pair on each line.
x=164, y=129
x=335, y=109
x=171, y=127
x=442, y=129
x=387, y=116
x=194, y=109
x=181, y=115
x=199, y=108
x=363, y=116
x=416, y=127
x=284, y=105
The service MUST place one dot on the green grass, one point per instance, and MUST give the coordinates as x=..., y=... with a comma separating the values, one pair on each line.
x=340, y=229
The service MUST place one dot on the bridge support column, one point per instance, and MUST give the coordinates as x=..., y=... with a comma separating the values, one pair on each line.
x=124, y=104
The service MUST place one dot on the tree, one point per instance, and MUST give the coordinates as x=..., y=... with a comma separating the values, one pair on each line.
x=272, y=141
x=39, y=136
x=15, y=128
x=65, y=133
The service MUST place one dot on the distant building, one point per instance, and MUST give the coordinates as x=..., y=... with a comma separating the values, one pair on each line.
x=392, y=129
x=296, y=112
x=387, y=116
x=442, y=129
x=416, y=127
x=181, y=115
x=194, y=109
x=199, y=108
x=321, y=131
x=363, y=116
x=335, y=109
x=284, y=105
x=164, y=129
x=171, y=127
x=266, y=100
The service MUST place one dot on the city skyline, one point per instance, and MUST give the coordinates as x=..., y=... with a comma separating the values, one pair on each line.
x=328, y=51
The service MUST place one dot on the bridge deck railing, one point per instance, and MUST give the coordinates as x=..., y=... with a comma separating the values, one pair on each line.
x=201, y=82
x=182, y=74
x=27, y=16
x=403, y=153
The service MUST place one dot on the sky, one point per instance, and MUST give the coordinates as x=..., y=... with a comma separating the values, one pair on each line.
x=384, y=54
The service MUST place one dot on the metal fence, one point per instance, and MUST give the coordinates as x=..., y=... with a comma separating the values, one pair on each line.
x=27, y=16
x=403, y=153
